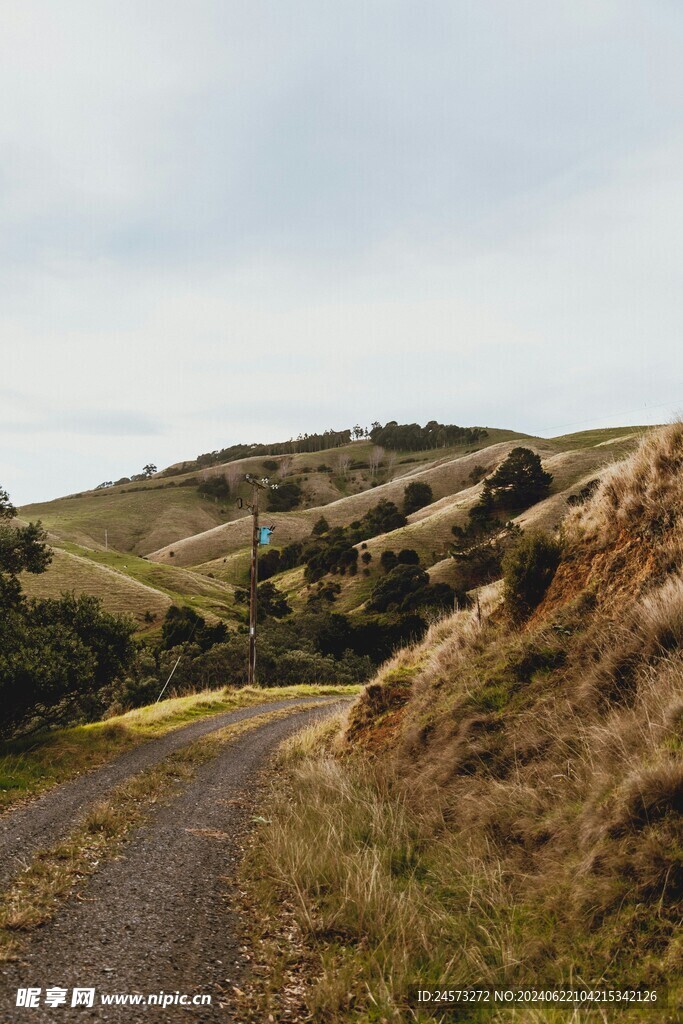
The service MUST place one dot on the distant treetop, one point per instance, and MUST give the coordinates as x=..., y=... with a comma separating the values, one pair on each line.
x=413, y=437
x=393, y=435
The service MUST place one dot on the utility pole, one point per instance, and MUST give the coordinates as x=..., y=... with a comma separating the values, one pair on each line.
x=256, y=487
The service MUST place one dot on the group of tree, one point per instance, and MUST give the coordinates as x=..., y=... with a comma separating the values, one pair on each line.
x=393, y=435
x=480, y=545
x=417, y=494
x=57, y=656
x=148, y=471
x=334, y=550
x=406, y=588
x=310, y=647
x=303, y=443
x=413, y=437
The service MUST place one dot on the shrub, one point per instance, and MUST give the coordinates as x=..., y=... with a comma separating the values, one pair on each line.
x=416, y=495
x=408, y=556
x=528, y=568
x=286, y=497
x=321, y=526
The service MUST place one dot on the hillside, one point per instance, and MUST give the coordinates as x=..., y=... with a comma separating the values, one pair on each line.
x=511, y=790
x=167, y=541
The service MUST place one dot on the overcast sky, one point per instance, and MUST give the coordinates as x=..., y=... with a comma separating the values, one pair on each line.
x=232, y=221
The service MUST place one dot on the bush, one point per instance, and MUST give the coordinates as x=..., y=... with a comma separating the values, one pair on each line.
x=416, y=495
x=408, y=556
x=528, y=568
x=286, y=497
x=393, y=589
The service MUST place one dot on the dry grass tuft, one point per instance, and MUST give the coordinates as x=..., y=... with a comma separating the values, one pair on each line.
x=512, y=810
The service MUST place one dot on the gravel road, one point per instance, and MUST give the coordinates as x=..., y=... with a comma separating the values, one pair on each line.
x=44, y=820
x=157, y=918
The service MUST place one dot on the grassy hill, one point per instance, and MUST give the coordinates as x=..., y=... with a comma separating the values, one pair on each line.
x=169, y=543
x=507, y=807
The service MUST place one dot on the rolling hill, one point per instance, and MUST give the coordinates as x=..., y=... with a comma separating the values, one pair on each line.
x=166, y=542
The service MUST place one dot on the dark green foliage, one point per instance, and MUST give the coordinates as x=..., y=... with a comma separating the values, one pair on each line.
x=366, y=558
x=335, y=551
x=286, y=497
x=270, y=465
x=528, y=568
x=520, y=481
x=416, y=495
x=406, y=588
x=480, y=514
x=321, y=526
x=56, y=657
x=408, y=556
x=478, y=551
x=215, y=487
x=476, y=474
x=269, y=564
x=382, y=518
x=413, y=437
x=290, y=556
x=271, y=602
x=109, y=638
x=324, y=594
x=388, y=560
x=184, y=626
x=400, y=582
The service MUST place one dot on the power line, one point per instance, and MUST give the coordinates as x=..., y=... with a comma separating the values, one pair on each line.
x=614, y=415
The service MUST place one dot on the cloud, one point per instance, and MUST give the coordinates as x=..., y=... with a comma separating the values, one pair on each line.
x=223, y=221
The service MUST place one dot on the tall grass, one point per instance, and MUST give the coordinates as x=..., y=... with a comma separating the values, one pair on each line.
x=505, y=805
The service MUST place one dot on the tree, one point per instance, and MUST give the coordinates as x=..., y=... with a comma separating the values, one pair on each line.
x=185, y=626
x=408, y=556
x=149, y=470
x=416, y=495
x=520, y=481
x=320, y=526
x=215, y=487
x=375, y=460
x=286, y=497
x=392, y=590
x=56, y=655
x=22, y=549
x=271, y=602
x=388, y=560
x=528, y=569
x=285, y=467
x=343, y=461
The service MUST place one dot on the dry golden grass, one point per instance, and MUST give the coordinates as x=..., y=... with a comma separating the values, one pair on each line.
x=507, y=805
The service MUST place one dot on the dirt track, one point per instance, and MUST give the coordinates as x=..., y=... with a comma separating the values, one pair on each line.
x=42, y=821
x=157, y=918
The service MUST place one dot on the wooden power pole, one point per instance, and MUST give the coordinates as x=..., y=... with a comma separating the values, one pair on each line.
x=256, y=487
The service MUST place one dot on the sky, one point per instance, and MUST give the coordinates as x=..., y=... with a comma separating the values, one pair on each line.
x=229, y=221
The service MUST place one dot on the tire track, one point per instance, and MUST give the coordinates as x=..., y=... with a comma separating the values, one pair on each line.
x=39, y=823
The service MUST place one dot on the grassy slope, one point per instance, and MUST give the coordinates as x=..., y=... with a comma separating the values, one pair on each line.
x=137, y=521
x=118, y=592
x=514, y=794
x=30, y=766
x=206, y=538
